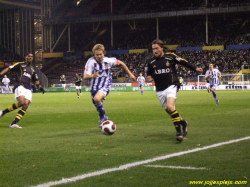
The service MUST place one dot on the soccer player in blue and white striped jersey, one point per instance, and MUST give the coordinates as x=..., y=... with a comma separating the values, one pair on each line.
x=213, y=75
x=6, y=82
x=141, y=81
x=98, y=69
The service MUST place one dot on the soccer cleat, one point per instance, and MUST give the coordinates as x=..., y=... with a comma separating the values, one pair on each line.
x=217, y=101
x=78, y=96
x=1, y=113
x=179, y=137
x=15, y=126
x=101, y=121
x=184, y=125
x=81, y=94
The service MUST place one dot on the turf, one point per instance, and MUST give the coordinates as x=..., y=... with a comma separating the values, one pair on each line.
x=61, y=139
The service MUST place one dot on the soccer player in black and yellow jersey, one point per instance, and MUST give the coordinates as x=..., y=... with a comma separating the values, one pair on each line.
x=161, y=68
x=24, y=75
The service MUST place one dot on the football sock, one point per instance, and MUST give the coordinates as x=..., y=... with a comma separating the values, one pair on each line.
x=141, y=92
x=11, y=108
x=215, y=95
x=80, y=91
x=19, y=116
x=42, y=90
x=177, y=121
x=101, y=110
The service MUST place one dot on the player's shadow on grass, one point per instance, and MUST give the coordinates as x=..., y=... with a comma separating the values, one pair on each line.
x=170, y=137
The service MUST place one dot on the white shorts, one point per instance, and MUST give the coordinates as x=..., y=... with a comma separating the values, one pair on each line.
x=171, y=91
x=208, y=85
x=78, y=87
x=21, y=91
x=63, y=85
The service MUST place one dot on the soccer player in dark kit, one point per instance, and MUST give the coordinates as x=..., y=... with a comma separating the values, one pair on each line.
x=24, y=75
x=78, y=82
x=161, y=68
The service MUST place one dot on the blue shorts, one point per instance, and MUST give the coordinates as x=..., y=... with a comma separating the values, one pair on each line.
x=141, y=85
x=104, y=90
x=214, y=86
x=6, y=85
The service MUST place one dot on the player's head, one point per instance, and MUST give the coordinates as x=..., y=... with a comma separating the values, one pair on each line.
x=211, y=67
x=158, y=48
x=5, y=76
x=140, y=74
x=98, y=51
x=63, y=76
x=77, y=74
x=29, y=58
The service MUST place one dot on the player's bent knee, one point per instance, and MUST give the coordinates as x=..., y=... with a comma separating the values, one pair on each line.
x=25, y=107
x=169, y=110
x=97, y=100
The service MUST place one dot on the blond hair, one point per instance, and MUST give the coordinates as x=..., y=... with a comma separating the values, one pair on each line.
x=98, y=47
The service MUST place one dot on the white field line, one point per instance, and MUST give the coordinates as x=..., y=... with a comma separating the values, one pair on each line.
x=133, y=164
x=176, y=167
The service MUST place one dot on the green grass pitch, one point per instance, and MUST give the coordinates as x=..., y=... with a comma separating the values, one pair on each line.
x=60, y=139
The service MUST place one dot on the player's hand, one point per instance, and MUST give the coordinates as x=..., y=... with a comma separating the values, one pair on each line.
x=149, y=79
x=95, y=75
x=132, y=77
x=199, y=70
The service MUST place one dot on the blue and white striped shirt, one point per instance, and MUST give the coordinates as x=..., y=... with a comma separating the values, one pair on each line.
x=141, y=80
x=104, y=70
x=215, y=78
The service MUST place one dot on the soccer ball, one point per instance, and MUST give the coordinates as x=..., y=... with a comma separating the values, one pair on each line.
x=108, y=127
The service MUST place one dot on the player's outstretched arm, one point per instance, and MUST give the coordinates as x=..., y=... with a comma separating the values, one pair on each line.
x=4, y=71
x=131, y=76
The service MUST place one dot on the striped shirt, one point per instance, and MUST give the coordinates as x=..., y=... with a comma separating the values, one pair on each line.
x=6, y=81
x=104, y=70
x=215, y=78
x=141, y=80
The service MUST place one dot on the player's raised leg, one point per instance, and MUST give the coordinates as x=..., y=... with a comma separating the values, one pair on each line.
x=9, y=109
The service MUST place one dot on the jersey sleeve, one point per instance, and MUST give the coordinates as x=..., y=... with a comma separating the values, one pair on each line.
x=15, y=66
x=206, y=74
x=183, y=62
x=89, y=67
x=150, y=69
x=114, y=61
x=34, y=76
